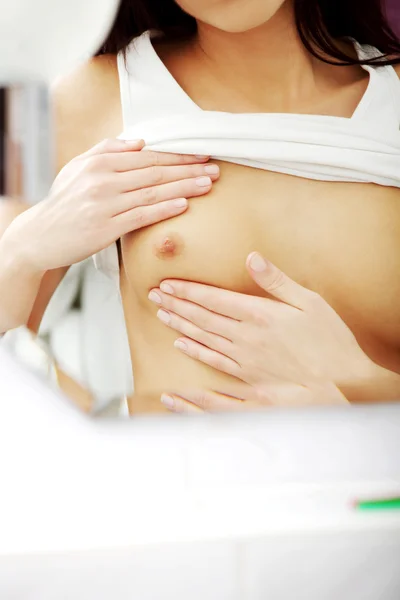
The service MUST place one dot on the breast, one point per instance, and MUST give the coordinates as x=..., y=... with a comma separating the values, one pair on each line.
x=334, y=238
x=209, y=243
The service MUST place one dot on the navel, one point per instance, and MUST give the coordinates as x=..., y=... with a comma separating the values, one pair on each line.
x=169, y=246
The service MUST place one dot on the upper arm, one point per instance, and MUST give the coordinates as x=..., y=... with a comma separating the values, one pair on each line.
x=86, y=109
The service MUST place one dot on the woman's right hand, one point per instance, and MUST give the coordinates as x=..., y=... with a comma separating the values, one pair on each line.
x=101, y=195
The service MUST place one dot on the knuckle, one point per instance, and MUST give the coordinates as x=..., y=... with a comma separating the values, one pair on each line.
x=207, y=339
x=194, y=170
x=88, y=211
x=101, y=162
x=90, y=165
x=262, y=319
x=139, y=219
x=95, y=163
x=258, y=314
x=170, y=303
x=98, y=187
x=199, y=335
x=148, y=196
x=94, y=190
x=201, y=319
x=314, y=300
x=217, y=363
x=263, y=396
x=107, y=144
x=277, y=281
x=180, y=290
x=194, y=352
x=201, y=399
x=154, y=159
x=156, y=175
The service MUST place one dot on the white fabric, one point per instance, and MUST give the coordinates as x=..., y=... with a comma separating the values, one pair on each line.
x=314, y=147
x=365, y=148
x=32, y=352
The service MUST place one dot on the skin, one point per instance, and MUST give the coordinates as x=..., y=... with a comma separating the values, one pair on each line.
x=284, y=350
x=306, y=228
x=112, y=188
x=35, y=283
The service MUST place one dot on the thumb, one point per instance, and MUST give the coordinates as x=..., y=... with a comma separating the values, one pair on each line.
x=275, y=282
x=109, y=146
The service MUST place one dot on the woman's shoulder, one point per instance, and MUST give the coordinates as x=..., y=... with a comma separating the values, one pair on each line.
x=86, y=107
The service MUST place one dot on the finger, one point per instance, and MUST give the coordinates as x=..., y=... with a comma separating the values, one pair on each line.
x=202, y=401
x=179, y=405
x=111, y=146
x=152, y=176
x=203, y=318
x=223, y=302
x=189, y=188
x=212, y=358
x=232, y=387
x=276, y=283
x=240, y=390
x=148, y=215
x=130, y=161
x=207, y=339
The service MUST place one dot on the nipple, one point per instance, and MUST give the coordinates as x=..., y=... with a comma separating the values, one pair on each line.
x=168, y=247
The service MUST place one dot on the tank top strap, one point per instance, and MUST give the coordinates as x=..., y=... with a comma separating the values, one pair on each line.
x=381, y=101
x=147, y=89
x=393, y=82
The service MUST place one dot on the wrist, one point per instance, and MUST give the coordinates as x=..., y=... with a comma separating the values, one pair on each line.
x=374, y=384
x=17, y=258
x=19, y=285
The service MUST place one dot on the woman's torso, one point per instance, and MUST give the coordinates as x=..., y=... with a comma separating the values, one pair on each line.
x=340, y=239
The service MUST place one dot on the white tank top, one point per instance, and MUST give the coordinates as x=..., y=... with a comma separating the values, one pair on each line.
x=149, y=91
x=364, y=148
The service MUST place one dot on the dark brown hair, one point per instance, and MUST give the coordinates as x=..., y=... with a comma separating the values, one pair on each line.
x=319, y=23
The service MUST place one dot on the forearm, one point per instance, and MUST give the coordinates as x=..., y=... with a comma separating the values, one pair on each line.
x=376, y=385
x=24, y=295
x=19, y=287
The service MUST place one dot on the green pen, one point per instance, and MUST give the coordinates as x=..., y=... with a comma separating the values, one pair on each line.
x=378, y=504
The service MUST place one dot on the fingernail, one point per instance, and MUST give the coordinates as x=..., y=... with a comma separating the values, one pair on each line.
x=154, y=297
x=180, y=345
x=203, y=181
x=257, y=263
x=166, y=288
x=134, y=142
x=212, y=169
x=167, y=401
x=180, y=202
x=201, y=157
x=164, y=316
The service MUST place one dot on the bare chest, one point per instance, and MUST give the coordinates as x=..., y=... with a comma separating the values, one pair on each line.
x=337, y=239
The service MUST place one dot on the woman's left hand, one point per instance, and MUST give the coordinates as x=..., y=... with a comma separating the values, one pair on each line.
x=246, y=397
x=294, y=335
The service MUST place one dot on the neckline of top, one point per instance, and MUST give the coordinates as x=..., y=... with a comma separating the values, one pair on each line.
x=143, y=44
